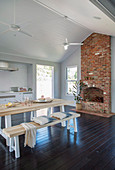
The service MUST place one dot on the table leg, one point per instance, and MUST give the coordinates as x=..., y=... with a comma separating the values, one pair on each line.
x=8, y=124
x=0, y=122
x=24, y=117
x=1, y=130
x=49, y=111
x=33, y=114
x=62, y=110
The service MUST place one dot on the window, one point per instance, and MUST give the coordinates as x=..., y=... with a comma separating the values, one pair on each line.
x=71, y=78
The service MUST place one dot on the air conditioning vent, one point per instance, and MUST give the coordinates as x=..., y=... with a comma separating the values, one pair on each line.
x=106, y=6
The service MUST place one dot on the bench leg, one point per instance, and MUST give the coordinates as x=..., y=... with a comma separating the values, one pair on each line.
x=8, y=124
x=11, y=148
x=75, y=125
x=62, y=110
x=68, y=124
x=17, y=149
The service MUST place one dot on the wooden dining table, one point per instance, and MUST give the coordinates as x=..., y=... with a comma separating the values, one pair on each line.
x=21, y=108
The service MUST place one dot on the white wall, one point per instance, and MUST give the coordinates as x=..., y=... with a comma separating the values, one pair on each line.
x=30, y=75
x=31, y=71
x=13, y=79
x=74, y=59
x=113, y=74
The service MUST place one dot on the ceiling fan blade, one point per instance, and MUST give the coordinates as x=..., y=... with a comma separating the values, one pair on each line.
x=4, y=23
x=1, y=33
x=75, y=43
x=26, y=33
x=25, y=23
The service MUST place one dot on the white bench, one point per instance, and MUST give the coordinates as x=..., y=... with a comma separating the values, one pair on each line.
x=15, y=131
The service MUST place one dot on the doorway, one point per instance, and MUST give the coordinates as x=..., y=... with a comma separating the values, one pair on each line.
x=44, y=83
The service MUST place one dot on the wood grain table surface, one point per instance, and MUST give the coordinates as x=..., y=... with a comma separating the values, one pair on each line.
x=35, y=106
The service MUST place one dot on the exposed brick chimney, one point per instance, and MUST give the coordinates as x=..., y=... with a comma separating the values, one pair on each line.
x=96, y=69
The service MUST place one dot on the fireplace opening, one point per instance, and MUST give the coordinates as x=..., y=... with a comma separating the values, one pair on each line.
x=93, y=94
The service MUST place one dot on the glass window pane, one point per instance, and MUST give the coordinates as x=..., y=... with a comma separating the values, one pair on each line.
x=72, y=73
x=44, y=81
x=70, y=86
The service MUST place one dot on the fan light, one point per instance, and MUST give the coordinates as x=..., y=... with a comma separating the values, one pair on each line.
x=65, y=47
x=14, y=27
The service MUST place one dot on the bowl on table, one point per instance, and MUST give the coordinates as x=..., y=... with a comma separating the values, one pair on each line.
x=43, y=100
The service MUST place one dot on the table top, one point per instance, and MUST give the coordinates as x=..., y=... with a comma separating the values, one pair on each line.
x=35, y=106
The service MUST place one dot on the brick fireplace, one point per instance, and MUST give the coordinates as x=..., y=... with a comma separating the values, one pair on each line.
x=93, y=94
x=96, y=73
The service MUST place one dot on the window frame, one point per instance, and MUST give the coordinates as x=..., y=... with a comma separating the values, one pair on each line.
x=75, y=80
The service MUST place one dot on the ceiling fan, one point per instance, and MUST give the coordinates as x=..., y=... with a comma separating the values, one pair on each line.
x=66, y=44
x=14, y=27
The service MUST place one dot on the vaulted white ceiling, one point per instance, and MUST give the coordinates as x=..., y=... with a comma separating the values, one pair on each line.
x=49, y=29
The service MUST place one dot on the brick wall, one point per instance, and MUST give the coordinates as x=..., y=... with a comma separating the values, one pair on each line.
x=96, y=69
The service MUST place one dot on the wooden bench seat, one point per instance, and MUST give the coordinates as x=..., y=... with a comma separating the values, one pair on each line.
x=15, y=131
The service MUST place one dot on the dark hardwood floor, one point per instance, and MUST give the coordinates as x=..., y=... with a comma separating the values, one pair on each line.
x=92, y=147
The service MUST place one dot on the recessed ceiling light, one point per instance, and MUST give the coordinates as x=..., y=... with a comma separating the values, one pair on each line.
x=106, y=6
x=97, y=17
